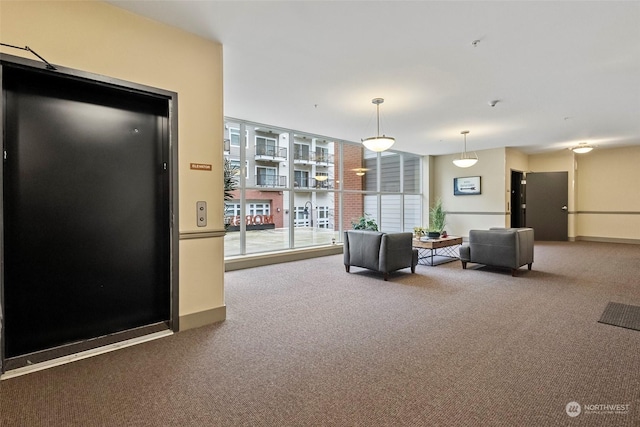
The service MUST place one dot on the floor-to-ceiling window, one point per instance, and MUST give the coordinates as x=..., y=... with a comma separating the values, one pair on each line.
x=297, y=189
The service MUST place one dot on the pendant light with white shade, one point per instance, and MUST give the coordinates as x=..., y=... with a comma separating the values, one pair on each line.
x=378, y=143
x=582, y=148
x=465, y=159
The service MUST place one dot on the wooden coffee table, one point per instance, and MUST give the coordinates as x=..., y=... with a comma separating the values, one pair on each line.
x=438, y=251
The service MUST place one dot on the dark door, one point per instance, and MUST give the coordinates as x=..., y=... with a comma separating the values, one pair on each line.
x=546, y=205
x=85, y=210
x=517, y=199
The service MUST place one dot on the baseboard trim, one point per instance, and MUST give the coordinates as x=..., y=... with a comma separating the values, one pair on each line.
x=202, y=318
x=607, y=240
x=258, y=260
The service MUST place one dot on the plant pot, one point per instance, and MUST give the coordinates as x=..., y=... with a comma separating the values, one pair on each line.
x=433, y=234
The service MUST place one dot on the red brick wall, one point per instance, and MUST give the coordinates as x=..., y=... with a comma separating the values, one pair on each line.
x=352, y=204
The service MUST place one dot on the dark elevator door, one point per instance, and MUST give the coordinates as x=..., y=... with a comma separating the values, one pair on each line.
x=86, y=199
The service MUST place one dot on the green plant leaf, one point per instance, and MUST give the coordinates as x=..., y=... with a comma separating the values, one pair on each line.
x=365, y=222
x=437, y=217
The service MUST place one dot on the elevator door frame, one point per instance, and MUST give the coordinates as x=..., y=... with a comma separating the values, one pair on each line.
x=171, y=98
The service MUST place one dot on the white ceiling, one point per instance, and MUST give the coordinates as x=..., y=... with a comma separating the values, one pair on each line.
x=564, y=72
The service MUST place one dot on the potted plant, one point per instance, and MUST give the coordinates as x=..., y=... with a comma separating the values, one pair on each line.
x=419, y=231
x=365, y=222
x=231, y=172
x=437, y=220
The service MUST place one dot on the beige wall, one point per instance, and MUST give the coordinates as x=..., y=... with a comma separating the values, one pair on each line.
x=608, y=194
x=604, y=202
x=427, y=187
x=99, y=38
x=481, y=211
x=516, y=161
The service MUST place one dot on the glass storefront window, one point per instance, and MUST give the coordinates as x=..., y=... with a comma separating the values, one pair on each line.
x=411, y=174
x=352, y=209
x=299, y=190
x=315, y=219
x=390, y=215
x=353, y=169
x=370, y=163
x=412, y=212
x=390, y=172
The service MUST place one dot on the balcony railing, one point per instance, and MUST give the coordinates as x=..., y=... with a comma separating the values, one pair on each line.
x=326, y=159
x=270, y=152
x=299, y=157
x=327, y=184
x=271, y=180
x=302, y=182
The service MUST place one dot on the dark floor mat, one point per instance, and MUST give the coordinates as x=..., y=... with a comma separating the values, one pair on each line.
x=623, y=315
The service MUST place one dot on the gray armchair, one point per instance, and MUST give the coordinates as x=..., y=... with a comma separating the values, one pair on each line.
x=499, y=247
x=383, y=252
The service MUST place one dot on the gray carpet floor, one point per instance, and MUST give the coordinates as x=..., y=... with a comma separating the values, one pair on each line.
x=306, y=344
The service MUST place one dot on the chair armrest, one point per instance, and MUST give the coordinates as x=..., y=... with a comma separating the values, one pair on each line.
x=465, y=253
x=396, y=251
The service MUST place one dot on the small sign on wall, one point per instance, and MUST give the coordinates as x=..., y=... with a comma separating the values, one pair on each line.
x=200, y=166
x=466, y=186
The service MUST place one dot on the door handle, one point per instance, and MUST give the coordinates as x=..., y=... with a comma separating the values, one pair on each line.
x=564, y=208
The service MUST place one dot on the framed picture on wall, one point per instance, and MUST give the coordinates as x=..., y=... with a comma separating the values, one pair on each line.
x=466, y=186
